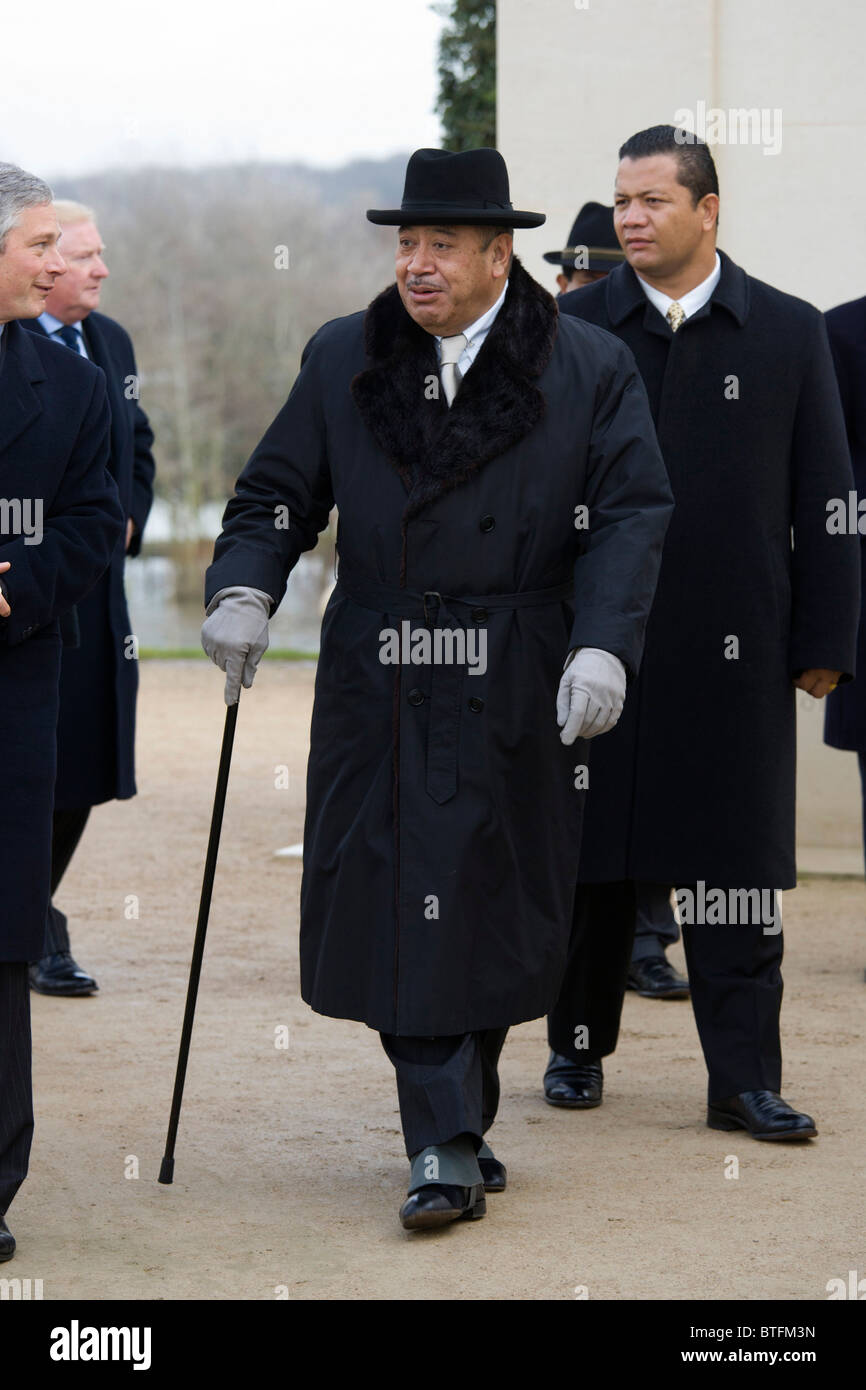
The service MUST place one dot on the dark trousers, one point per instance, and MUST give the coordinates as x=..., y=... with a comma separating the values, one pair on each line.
x=68, y=827
x=592, y=990
x=736, y=991
x=16, y=1091
x=446, y=1085
x=656, y=927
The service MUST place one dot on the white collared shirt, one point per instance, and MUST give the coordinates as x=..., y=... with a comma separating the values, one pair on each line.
x=475, y=335
x=691, y=302
x=53, y=325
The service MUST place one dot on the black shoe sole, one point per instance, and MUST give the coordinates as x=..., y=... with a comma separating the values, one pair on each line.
x=495, y=1186
x=727, y=1123
x=573, y=1104
x=660, y=993
x=65, y=993
x=6, y=1255
x=432, y=1220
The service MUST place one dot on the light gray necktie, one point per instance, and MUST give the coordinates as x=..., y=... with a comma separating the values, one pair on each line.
x=675, y=315
x=450, y=350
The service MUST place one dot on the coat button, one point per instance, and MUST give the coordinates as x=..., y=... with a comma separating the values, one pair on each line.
x=479, y=615
x=476, y=705
x=416, y=697
x=487, y=523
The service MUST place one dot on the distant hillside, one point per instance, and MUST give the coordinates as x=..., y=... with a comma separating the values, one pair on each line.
x=199, y=279
x=381, y=179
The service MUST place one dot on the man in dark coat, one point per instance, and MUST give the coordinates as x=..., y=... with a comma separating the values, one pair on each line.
x=845, y=720
x=695, y=788
x=59, y=521
x=99, y=672
x=480, y=543
x=592, y=252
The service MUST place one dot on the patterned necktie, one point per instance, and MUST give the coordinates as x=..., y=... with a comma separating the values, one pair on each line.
x=69, y=336
x=675, y=316
x=450, y=350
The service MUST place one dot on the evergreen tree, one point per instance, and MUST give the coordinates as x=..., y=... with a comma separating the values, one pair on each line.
x=467, y=74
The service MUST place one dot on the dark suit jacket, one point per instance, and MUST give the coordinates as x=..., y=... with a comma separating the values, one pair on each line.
x=54, y=426
x=697, y=780
x=99, y=679
x=467, y=794
x=845, y=720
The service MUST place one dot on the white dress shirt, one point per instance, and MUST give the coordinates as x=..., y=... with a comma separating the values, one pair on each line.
x=52, y=325
x=475, y=335
x=691, y=302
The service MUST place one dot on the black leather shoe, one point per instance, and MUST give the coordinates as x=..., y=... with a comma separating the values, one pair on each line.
x=439, y=1204
x=60, y=974
x=494, y=1174
x=573, y=1086
x=655, y=978
x=7, y=1241
x=763, y=1113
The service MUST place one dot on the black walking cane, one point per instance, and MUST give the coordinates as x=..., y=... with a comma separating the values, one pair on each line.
x=166, y=1171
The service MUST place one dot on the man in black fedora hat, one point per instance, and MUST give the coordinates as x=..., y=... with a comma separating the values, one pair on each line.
x=592, y=250
x=502, y=506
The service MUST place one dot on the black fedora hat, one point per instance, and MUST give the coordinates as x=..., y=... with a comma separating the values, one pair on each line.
x=469, y=187
x=592, y=237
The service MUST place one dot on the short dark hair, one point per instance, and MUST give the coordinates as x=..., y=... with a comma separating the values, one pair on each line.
x=696, y=169
x=489, y=234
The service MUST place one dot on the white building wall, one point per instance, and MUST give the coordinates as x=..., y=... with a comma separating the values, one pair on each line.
x=575, y=82
x=576, y=79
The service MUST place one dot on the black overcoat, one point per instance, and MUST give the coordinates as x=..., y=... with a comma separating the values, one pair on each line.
x=443, y=820
x=845, y=720
x=54, y=426
x=697, y=781
x=99, y=671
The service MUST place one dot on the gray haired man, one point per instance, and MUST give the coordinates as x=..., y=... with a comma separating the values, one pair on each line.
x=54, y=426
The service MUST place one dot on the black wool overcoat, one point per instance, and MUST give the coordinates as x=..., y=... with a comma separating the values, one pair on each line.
x=697, y=781
x=54, y=427
x=99, y=671
x=845, y=721
x=443, y=820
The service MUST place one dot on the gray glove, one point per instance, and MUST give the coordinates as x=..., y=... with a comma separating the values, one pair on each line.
x=235, y=635
x=591, y=694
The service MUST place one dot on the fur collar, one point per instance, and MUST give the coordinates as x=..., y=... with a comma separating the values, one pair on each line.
x=435, y=449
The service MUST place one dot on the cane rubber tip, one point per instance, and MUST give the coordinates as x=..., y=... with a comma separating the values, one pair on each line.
x=166, y=1171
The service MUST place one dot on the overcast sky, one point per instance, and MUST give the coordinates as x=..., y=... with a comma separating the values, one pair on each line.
x=172, y=81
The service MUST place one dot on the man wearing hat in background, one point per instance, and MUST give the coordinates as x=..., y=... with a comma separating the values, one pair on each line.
x=502, y=505
x=592, y=252
x=592, y=249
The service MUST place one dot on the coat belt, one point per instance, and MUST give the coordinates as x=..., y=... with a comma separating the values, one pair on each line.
x=446, y=681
